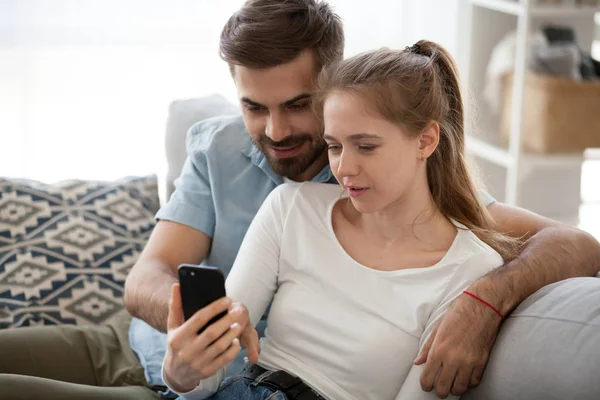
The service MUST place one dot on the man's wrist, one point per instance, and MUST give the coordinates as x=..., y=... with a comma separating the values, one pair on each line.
x=480, y=314
x=493, y=290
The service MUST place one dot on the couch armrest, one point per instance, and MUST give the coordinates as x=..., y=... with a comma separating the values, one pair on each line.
x=549, y=347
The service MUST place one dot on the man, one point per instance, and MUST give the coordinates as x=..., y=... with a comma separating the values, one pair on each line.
x=275, y=50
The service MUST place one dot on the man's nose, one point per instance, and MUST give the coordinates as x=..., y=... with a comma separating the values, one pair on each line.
x=277, y=127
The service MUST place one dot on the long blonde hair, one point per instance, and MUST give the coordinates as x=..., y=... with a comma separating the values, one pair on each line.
x=412, y=88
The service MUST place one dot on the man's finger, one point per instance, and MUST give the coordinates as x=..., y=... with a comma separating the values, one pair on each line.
x=422, y=357
x=429, y=374
x=476, y=376
x=462, y=381
x=175, y=319
x=444, y=382
x=249, y=339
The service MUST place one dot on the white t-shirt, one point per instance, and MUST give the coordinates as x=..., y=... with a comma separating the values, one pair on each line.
x=349, y=331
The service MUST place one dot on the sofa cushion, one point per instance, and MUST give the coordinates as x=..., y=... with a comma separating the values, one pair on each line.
x=182, y=115
x=66, y=248
x=549, y=347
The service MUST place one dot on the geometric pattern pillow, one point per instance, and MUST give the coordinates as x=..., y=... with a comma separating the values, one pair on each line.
x=66, y=248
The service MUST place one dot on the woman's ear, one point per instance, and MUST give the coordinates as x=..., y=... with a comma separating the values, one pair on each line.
x=429, y=139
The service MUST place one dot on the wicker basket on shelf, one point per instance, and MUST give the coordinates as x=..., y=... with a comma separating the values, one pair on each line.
x=559, y=115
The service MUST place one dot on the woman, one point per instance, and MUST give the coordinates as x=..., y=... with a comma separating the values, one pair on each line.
x=357, y=278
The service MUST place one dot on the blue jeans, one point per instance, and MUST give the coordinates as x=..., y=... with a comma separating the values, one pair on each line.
x=240, y=388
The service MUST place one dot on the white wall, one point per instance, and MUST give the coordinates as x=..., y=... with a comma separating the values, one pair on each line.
x=436, y=20
x=85, y=84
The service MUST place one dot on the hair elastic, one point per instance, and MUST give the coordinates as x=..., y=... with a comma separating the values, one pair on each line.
x=415, y=49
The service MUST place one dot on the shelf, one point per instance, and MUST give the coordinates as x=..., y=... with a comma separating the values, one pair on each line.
x=564, y=12
x=488, y=151
x=513, y=7
x=505, y=6
x=499, y=155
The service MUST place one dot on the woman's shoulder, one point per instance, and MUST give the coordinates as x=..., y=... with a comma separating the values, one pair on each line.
x=319, y=194
x=313, y=194
x=308, y=190
x=474, y=250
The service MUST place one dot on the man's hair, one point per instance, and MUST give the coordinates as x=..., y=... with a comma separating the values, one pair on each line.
x=267, y=33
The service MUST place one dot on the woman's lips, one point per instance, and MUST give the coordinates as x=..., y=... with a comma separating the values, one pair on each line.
x=355, y=191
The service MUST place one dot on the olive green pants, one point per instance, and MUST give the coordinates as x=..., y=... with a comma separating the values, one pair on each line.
x=71, y=362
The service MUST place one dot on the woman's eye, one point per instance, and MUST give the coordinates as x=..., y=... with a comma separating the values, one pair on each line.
x=367, y=148
x=334, y=147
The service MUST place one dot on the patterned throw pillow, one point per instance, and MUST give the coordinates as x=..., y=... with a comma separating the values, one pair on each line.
x=66, y=248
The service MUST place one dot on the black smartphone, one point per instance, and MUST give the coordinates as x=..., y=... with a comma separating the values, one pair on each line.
x=200, y=285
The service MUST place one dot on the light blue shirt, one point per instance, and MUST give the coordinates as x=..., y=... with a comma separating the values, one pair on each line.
x=224, y=181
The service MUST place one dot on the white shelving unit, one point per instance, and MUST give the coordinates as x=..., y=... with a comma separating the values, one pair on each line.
x=486, y=22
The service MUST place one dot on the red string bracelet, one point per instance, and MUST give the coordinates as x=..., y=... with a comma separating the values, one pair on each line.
x=486, y=303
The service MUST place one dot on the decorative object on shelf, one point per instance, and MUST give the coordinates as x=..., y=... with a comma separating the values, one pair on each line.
x=561, y=96
x=560, y=115
x=512, y=171
x=587, y=2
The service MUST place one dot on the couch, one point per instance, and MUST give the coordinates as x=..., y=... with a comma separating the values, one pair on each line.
x=65, y=250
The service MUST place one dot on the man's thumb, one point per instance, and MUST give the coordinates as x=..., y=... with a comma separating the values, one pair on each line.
x=422, y=357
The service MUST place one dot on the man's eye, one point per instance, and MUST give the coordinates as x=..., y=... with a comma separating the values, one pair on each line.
x=297, y=107
x=254, y=109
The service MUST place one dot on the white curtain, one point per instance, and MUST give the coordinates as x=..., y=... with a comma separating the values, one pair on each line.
x=85, y=84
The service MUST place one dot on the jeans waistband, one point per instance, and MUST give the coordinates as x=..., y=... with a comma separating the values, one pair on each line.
x=293, y=387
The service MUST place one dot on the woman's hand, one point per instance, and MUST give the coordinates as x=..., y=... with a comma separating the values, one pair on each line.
x=191, y=357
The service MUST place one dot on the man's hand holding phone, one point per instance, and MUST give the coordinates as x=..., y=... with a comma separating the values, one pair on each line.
x=192, y=357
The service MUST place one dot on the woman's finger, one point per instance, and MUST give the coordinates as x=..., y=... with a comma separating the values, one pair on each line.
x=203, y=316
x=221, y=345
x=212, y=333
x=249, y=339
x=211, y=368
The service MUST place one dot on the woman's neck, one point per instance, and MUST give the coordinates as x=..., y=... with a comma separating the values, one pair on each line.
x=412, y=217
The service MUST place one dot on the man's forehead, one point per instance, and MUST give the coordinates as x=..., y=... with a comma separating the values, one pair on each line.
x=276, y=85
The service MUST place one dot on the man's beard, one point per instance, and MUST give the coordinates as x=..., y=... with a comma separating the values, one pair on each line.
x=292, y=166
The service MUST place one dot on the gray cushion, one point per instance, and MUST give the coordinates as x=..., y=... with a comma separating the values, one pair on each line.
x=549, y=348
x=182, y=115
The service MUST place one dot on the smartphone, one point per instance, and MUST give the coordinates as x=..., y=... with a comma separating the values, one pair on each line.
x=200, y=285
